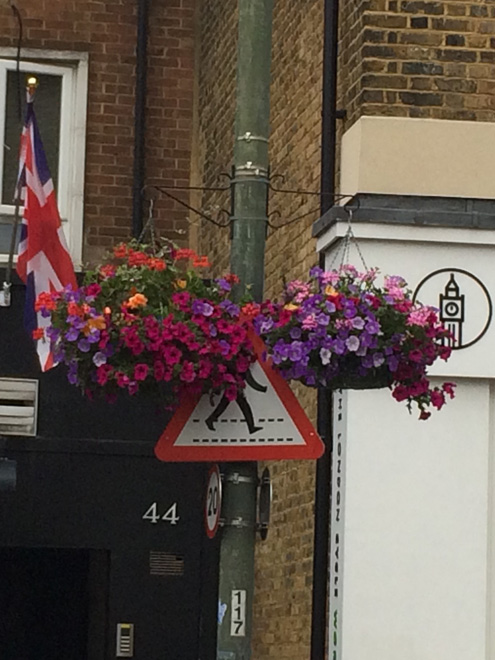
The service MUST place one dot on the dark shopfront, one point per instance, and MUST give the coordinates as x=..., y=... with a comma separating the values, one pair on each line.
x=95, y=532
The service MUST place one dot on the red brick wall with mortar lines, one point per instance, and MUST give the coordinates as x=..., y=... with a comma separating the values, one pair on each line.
x=107, y=31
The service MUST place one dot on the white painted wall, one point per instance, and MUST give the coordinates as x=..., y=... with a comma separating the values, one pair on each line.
x=415, y=560
x=416, y=535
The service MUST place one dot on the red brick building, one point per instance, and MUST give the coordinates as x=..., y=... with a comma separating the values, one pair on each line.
x=86, y=108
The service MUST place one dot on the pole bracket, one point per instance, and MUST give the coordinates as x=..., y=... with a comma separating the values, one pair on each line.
x=251, y=217
x=249, y=137
x=238, y=522
x=236, y=478
x=5, y=295
x=252, y=170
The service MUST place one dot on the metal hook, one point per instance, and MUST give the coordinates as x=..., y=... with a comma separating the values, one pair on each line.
x=150, y=211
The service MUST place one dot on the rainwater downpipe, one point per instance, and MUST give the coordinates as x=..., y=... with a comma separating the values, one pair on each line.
x=319, y=619
x=140, y=117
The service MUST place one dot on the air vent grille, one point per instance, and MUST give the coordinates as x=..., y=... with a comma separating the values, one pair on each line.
x=18, y=406
x=166, y=564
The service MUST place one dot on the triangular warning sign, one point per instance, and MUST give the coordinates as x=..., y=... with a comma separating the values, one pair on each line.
x=267, y=423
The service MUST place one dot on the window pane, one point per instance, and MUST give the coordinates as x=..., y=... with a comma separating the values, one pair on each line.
x=47, y=107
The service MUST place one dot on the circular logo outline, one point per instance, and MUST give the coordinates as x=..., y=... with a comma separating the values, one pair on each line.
x=482, y=286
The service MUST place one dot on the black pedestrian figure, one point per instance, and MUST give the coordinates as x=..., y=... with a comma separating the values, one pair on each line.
x=243, y=404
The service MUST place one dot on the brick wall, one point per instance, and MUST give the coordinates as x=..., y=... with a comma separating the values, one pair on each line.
x=419, y=59
x=107, y=31
x=217, y=42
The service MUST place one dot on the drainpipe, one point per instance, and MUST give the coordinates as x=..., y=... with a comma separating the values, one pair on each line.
x=140, y=118
x=319, y=620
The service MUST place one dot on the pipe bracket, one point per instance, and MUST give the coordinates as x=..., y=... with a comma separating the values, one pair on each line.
x=249, y=137
x=250, y=169
x=236, y=478
x=238, y=522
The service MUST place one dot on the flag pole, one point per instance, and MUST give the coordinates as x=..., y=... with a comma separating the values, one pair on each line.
x=5, y=293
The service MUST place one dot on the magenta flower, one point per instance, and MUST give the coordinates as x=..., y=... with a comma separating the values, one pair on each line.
x=141, y=371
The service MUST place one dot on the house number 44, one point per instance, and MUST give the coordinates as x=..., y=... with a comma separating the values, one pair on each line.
x=169, y=516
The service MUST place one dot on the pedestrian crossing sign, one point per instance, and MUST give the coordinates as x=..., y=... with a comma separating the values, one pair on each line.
x=265, y=422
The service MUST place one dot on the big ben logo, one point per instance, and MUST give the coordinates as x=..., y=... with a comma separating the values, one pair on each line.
x=465, y=304
x=452, y=311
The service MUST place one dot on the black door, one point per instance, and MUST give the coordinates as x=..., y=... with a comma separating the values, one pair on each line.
x=44, y=603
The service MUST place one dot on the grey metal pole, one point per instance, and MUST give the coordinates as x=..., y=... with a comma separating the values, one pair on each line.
x=249, y=224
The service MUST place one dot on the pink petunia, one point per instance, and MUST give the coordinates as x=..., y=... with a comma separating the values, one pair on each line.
x=141, y=371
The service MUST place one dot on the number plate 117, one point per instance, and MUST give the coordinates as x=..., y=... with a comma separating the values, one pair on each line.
x=238, y=613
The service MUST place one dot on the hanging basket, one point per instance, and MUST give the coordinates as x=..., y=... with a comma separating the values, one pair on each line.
x=341, y=330
x=375, y=379
x=146, y=321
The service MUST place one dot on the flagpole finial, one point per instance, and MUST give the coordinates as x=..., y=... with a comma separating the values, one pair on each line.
x=31, y=85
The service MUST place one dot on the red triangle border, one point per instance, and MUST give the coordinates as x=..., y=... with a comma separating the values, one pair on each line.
x=314, y=447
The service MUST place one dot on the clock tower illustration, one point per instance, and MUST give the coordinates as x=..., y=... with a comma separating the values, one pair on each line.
x=452, y=312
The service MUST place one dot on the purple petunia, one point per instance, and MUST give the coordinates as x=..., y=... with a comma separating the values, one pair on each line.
x=373, y=327
x=72, y=334
x=225, y=347
x=99, y=358
x=83, y=345
x=378, y=359
x=295, y=332
x=325, y=355
x=330, y=306
x=202, y=308
x=352, y=343
x=223, y=284
x=358, y=323
x=295, y=352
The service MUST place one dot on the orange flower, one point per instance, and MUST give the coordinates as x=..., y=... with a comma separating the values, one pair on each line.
x=74, y=310
x=120, y=251
x=291, y=307
x=138, y=259
x=107, y=311
x=137, y=300
x=180, y=284
x=96, y=323
x=185, y=253
x=201, y=262
x=330, y=291
x=157, y=264
x=251, y=311
x=39, y=333
x=107, y=271
x=45, y=300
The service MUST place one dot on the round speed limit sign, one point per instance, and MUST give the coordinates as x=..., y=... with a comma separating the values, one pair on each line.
x=213, y=503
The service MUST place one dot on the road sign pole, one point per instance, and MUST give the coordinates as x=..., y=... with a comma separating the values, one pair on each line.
x=249, y=224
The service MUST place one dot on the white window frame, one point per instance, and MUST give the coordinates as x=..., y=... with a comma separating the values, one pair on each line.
x=73, y=67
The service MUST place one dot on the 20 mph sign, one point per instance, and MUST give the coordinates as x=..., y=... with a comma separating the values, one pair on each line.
x=213, y=502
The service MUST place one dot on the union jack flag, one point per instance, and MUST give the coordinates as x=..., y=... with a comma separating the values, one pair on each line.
x=43, y=263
